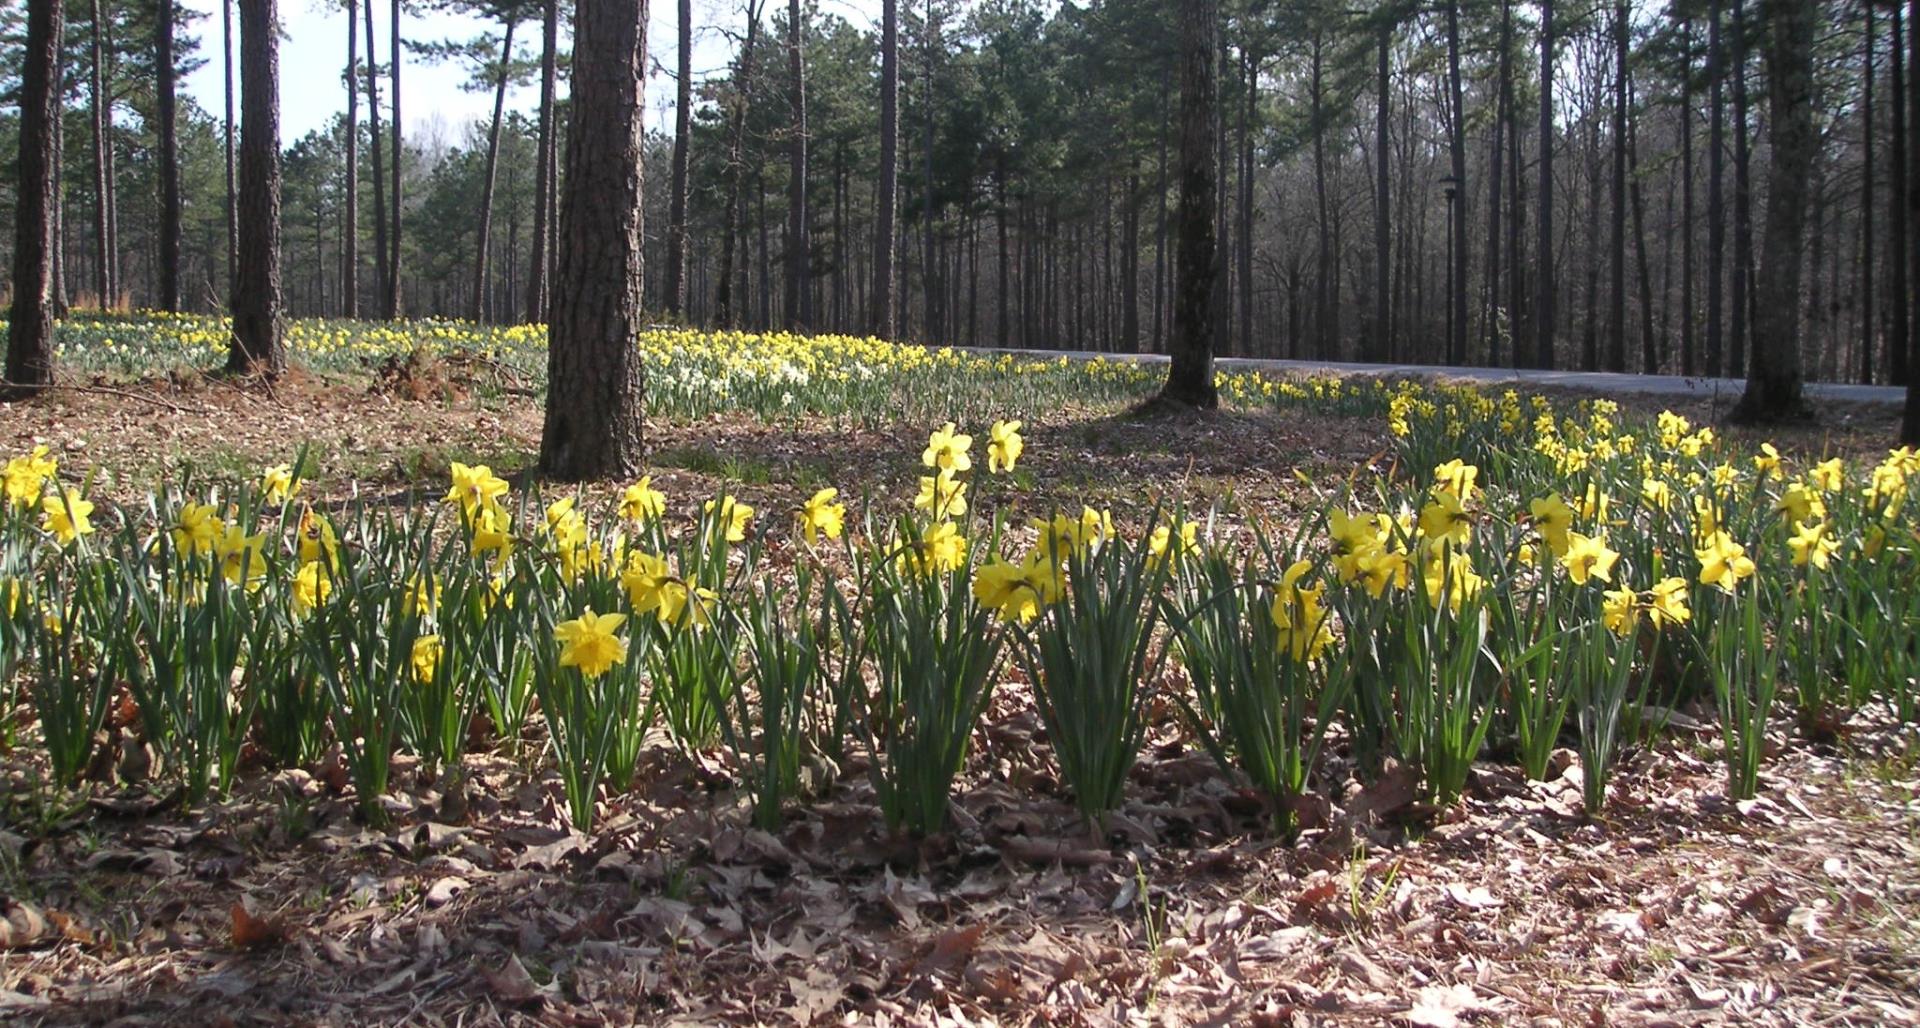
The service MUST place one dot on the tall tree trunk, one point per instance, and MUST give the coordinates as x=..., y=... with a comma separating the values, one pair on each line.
x=395, y=301
x=1910, y=423
x=1716, y=193
x=539, y=271
x=1543, y=307
x=484, y=234
x=1323, y=262
x=1380, y=339
x=882, y=321
x=1457, y=196
x=102, y=141
x=1740, y=297
x=350, y=231
x=676, y=298
x=1492, y=329
x=799, y=299
x=164, y=113
x=593, y=420
x=1900, y=330
x=1774, y=383
x=1650, y=345
x=1617, y=239
x=30, y=321
x=1160, y=218
x=383, y=254
x=258, y=318
x=1687, y=315
x=1867, y=326
x=730, y=297
x=1190, y=374
x=1243, y=246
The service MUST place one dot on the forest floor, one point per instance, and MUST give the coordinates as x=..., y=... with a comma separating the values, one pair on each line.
x=277, y=906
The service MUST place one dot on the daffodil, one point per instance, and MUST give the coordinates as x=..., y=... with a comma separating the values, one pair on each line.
x=820, y=516
x=312, y=584
x=641, y=502
x=1799, y=503
x=1829, y=476
x=1667, y=602
x=1458, y=476
x=1811, y=543
x=1017, y=591
x=63, y=514
x=1170, y=543
x=26, y=477
x=1588, y=557
x=425, y=658
x=1449, y=575
x=242, y=561
x=591, y=642
x=1656, y=493
x=197, y=528
x=1298, y=616
x=474, y=488
x=1767, y=462
x=1620, y=611
x=942, y=495
x=942, y=548
x=645, y=579
x=733, y=516
x=317, y=541
x=1723, y=562
x=1004, y=446
x=947, y=450
x=1381, y=569
x=277, y=484
x=1553, y=519
x=1445, y=519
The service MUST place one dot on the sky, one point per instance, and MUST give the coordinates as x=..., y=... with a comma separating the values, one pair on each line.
x=313, y=50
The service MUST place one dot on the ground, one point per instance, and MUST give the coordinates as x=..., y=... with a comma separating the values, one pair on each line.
x=278, y=906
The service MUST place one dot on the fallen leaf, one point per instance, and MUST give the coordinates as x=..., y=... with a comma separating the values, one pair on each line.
x=1440, y=1006
x=251, y=932
x=952, y=950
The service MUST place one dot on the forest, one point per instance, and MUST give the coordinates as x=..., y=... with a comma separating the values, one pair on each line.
x=1468, y=183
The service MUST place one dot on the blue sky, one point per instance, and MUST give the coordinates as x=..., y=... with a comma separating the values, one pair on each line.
x=314, y=46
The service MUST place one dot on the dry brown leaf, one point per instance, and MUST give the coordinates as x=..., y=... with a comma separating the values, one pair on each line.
x=251, y=932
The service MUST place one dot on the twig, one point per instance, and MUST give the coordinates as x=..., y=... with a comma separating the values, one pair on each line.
x=110, y=391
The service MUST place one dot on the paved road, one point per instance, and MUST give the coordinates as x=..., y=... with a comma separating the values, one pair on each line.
x=1727, y=389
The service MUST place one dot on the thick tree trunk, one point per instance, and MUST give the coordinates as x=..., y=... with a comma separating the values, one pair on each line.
x=1543, y=306
x=350, y=230
x=1774, y=383
x=30, y=321
x=1190, y=374
x=166, y=116
x=1867, y=326
x=594, y=400
x=484, y=233
x=676, y=288
x=799, y=298
x=886, y=200
x=258, y=320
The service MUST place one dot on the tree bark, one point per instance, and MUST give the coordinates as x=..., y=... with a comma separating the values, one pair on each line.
x=395, y=300
x=887, y=201
x=538, y=274
x=731, y=296
x=1867, y=326
x=1457, y=196
x=1716, y=193
x=593, y=419
x=1617, y=238
x=676, y=288
x=383, y=254
x=165, y=114
x=258, y=319
x=1900, y=328
x=1543, y=312
x=350, y=232
x=1381, y=337
x=1190, y=373
x=1910, y=423
x=30, y=322
x=799, y=298
x=1774, y=383
x=102, y=141
x=484, y=232
x=1740, y=296
x=1687, y=314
